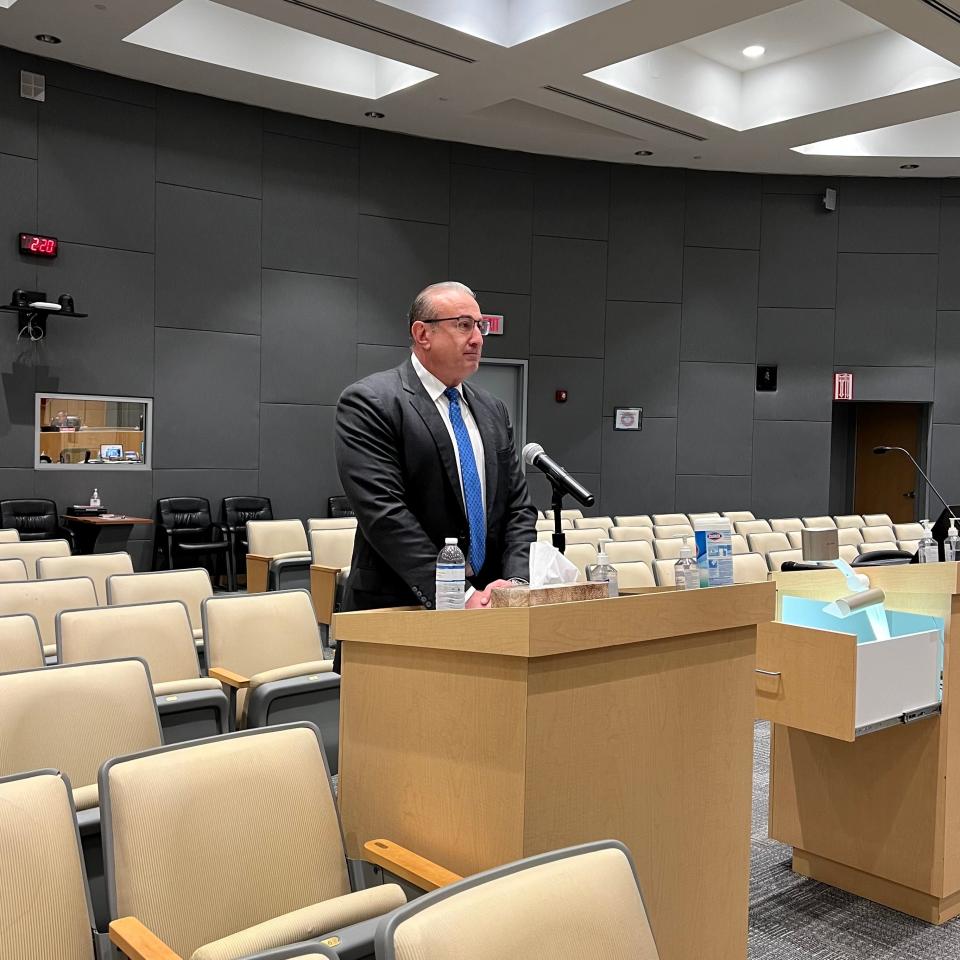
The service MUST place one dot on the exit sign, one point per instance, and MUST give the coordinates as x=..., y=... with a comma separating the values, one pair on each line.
x=843, y=386
x=496, y=324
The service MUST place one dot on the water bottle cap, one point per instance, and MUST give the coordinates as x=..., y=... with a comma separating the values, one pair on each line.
x=451, y=540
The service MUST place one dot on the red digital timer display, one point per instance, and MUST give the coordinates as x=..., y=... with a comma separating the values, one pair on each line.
x=37, y=246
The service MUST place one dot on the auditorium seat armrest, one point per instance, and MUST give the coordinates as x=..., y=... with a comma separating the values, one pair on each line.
x=408, y=865
x=228, y=677
x=323, y=589
x=138, y=942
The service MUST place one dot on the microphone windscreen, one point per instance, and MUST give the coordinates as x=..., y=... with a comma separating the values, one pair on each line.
x=881, y=449
x=530, y=452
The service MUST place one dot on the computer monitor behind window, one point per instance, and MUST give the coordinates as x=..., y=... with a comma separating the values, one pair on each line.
x=111, y=451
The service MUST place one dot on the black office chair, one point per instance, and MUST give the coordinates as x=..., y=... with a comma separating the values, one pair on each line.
x=234, y=514
x=36, y=520
x=339, y=507
x=882, y=558
x=185, y=530
x=793, y=566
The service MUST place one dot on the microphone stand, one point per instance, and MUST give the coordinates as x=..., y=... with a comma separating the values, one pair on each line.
x=559, y=537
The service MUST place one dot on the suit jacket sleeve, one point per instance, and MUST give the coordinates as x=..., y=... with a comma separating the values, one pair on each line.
x=368, y=458
x=521, y=515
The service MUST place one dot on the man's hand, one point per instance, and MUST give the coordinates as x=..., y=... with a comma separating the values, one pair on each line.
x=481, y=599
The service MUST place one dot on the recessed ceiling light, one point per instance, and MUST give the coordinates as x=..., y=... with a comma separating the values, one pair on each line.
x=909, y=166
x=643, y=153
x=48, y=38
x=374, y=115
x=754, y=51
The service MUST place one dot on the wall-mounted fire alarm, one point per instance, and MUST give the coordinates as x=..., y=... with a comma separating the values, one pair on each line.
x=561, y=396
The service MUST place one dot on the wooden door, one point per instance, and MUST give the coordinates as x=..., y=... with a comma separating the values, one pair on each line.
x=890, y=483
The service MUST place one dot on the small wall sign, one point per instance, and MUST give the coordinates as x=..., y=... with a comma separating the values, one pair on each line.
x=496, y=324
x=628, y=418
x=843, y=386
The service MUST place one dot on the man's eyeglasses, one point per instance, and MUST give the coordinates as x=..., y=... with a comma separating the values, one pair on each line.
x=465, y=325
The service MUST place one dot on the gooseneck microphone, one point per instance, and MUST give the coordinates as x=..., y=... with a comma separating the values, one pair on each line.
x=533, y=454
x=886, y=449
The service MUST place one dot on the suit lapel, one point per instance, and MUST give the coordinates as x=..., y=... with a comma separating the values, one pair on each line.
x=427, y=410
x=488, y=434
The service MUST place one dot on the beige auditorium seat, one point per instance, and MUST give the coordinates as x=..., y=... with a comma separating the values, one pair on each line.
x=97, y=566
x=849, y=520
x=29, y=551
x=547, y=906
x=911, y=546
x=694, y=517
x=283, y=545
x=13, y=569
x=269, y=787
x=665, y=531
x=852, y=535
x=573, y=514
x=908, y=531
x=749, y=568
x=777, y=558
x=746, y=527
x=738, y=543
x=876, y=545
x=735, y=516
x=190, y=705
x=548, y=524
x=590, y=523
x=20, y=646
x=44, y=599
x=669, y=519
x=266, y=647
x=632, y=533
x=669, y=549
x=633, y=520
x=877, y=520
x=630, y=551
x=877, y=534
x=581, y=554
x=634, y=574
x=665, y=572
x=592, y=535
x=9, y=535
x=332, y=553
x=849, y=552
x=190, y=586
x=786, y=524
x=819, y=523
x=765, y=542
x=331, y=523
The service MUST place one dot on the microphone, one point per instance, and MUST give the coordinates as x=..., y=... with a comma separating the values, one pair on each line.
x=533, y=454
x=884, y=449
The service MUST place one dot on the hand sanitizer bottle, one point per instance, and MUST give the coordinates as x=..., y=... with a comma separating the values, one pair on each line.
x=95, y=498
x=686, y=571
x=951, y=546
x=603, y=571
x=927, y=548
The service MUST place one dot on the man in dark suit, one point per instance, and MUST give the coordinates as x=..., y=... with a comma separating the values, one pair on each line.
x=423, y=456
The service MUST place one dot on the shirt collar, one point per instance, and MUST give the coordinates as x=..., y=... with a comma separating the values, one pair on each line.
x=434, y=387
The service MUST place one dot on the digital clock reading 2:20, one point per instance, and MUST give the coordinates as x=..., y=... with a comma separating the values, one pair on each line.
x=36, y=246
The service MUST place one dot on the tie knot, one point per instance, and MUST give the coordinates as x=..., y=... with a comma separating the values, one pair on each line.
x=452, y=394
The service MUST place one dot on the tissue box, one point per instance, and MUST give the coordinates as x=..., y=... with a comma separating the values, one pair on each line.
x=539, y=596
x=714, y=552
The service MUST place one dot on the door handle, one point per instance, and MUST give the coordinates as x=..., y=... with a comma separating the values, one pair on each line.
x=911, y=494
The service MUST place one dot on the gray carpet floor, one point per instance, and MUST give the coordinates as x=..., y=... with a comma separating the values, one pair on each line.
x=793, y=917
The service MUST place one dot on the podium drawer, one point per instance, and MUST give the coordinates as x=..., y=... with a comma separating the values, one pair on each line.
x=824, y=682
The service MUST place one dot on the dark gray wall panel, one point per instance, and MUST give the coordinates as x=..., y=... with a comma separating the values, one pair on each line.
x=945, y=462
x=569, y=281
x=800, y=343
x=700, y=494
x=17, y=386
x=309, y=346
x=722, y=210
x=889, y=215
x=96, y=180
x=207, y=400
x=141, y=552
x=404, y=177
x=208, y=143
x=18, y=212
x=639, y=468
x=115, y=287
x=719, y=317
x=208, y=260
x=18, y=117
x=309, y=206
x=641, y=365
x=297, y=475
x=798, y=253
x=791, y=468
x=309, y=128
x=372, y=358
x=491, y=215
x=15, y=484
x=946, y=404
x=121, y=491
x=889, y=384
x=515, y=310
x=571, y=198
x=66, y=76
x=886, y=309
x=569, y=432
x=476, y=156
x=716, y=418
x=812, y=186
x=645, y=260
x=949, y=287
x=214, y=485
x=542, y=494
x=398, y=258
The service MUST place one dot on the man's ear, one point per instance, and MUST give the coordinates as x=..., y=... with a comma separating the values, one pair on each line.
x=419, y=334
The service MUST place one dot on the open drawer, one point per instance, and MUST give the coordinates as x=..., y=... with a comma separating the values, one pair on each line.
x=840, y=685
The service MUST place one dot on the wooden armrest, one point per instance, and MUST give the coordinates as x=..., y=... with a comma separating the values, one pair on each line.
x=138, y=942
x=258, y=573
x=228, y=677
x=323, y=590
x=408, y=865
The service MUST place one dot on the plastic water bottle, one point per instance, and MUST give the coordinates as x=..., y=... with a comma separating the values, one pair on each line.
x=95, y=498
x=927, y=548
x=451, y=576
x=686, y=573
x=603, y=571
x=951, y=546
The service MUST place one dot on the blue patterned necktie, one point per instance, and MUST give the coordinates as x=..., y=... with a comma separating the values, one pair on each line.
x=472, y=492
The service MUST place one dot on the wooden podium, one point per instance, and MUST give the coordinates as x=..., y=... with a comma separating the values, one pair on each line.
x=879, y=814
x=479, y=737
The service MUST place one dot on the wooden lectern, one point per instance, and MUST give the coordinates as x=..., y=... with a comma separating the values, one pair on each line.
x=482, y=736
x=875, y=814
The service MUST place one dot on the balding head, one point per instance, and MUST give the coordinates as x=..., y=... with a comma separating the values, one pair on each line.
x=425, y=304
x=450, y=353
